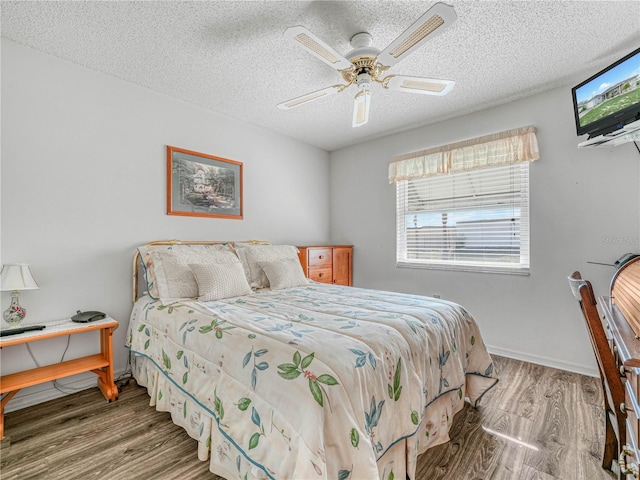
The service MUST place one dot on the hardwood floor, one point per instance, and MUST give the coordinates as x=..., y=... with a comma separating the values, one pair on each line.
x=538, y=423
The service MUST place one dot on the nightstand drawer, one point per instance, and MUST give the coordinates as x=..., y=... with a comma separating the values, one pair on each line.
x=320, y=257
x=324, y=275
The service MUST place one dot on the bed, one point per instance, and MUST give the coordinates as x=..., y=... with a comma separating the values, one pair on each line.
x=279, y=377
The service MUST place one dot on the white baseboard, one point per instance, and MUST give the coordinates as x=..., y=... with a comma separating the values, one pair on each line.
x=46, y=391
x=545, y=361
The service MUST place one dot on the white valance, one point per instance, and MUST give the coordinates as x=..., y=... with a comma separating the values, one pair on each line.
x=503, y=148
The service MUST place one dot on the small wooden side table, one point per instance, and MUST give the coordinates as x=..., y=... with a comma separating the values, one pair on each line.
x=101, y=364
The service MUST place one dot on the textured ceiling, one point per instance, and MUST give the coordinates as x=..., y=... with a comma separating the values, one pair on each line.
x=231, y=56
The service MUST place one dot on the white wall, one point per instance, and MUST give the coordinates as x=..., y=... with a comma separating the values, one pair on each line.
x=585, y=206
x=84, y=183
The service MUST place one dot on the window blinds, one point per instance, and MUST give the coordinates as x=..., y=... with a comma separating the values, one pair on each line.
x=474, y=220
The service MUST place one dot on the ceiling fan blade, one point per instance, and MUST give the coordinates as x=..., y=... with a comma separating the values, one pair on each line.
x=310, y=97
x=433, y=22
x=361, y=108
x=427, y=86
x=316, y=47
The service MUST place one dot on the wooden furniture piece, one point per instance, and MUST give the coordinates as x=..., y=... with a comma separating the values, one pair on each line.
x=328, y=264
x=101, y=364
x=621, y=312
x=612, y=384
x=625, y=292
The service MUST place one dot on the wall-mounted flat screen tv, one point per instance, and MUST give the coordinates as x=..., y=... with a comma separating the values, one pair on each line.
x=610, y=99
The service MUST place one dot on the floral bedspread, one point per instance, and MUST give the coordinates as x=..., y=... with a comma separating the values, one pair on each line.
x=319, y=381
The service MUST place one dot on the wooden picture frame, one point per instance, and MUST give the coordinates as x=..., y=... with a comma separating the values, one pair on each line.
x=201, y=185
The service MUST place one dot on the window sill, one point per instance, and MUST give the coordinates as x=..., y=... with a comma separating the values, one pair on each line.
x=467, y=268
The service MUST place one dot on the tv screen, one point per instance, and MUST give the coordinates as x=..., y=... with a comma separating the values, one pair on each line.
x=609, y=99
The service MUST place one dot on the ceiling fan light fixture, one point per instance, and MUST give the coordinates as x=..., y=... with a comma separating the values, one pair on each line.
x=363, y=80
x=361, y=106
x=366, y=65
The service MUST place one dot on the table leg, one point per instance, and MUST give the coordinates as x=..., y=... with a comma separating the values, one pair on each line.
x=106, y=381
x=4, y=401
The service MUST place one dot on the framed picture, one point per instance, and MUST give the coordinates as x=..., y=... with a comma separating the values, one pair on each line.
x=200, y=185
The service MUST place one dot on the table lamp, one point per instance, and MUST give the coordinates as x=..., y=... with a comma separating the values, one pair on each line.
x=14, y=278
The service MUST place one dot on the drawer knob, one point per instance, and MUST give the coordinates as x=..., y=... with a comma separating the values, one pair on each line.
x=320, y=274
x=320, y=257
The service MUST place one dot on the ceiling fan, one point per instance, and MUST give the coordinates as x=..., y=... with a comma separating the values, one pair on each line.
x=365, y=64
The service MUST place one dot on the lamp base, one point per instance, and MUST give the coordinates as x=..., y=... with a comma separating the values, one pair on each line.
x=15, y=313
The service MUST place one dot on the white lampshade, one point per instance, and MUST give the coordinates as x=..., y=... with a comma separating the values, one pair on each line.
x=17, y=277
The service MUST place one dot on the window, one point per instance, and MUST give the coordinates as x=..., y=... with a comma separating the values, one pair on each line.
x=476, y=220
x=465, y=206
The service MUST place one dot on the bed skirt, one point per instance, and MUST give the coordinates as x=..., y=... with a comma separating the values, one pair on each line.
x=228, y=460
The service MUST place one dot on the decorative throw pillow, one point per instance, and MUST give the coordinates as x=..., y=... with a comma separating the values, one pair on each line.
x=251, y=255
x=284, y=273
x=167, y=269
x=218, y=280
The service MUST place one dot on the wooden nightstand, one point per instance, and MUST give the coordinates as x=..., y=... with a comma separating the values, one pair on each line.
x=327, y=264
x=101, y=364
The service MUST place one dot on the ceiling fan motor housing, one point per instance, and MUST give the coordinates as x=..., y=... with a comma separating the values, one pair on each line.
x=361, y=44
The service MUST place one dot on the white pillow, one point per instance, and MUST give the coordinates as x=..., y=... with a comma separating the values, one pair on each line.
x=251, y=255
x=168, y=266
x=284, y=273
x=219, y=280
